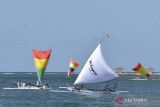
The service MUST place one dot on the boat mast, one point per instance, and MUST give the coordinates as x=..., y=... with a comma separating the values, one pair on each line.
x=82, y=85
x=106, y=35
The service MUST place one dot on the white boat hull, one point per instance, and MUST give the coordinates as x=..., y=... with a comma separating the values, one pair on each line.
x=26, y=88
x=84, y=90
x=88, y=90
x=144, y=79
x=139, y=79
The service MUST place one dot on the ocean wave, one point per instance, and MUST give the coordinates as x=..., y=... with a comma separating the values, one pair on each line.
x=8, y=73
x=59, y=91
x=29, y=73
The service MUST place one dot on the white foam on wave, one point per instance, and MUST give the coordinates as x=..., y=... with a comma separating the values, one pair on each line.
x=29, y=73
x=123, y=91
x=8, y=73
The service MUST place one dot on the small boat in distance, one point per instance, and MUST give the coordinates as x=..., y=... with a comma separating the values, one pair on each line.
x=72, y=67
x=41, y=59
x=139, y=69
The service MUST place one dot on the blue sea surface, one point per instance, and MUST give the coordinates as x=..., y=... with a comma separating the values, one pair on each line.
x=131, y=93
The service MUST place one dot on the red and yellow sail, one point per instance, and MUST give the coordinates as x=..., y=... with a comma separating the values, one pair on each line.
x=41, y=60
x=141, y=70
x=73, y=66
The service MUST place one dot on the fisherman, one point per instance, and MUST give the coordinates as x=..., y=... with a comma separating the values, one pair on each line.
x=46, y=85
x=38, y=84
x=18, y=84
x=23, y=84
x=108, y=88
x=29, y=85
x=76, y=88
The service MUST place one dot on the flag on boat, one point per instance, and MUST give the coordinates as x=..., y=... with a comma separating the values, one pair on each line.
x=41, y=60
x=73, y=66
x=141, y=70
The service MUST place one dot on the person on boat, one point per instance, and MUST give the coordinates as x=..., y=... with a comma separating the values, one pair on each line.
x=108, y=88
x=111, y=88
x=18, y=84
x=39, y=84
x=23, y=84
x=76, y=88
x=46, y=85
x=29, y=85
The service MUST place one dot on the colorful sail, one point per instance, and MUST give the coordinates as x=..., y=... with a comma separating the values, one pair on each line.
x=95, y=70
x=73, y=66
x=141, y=70
x=41, y=60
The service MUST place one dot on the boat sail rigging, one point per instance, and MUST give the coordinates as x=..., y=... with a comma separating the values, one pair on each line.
x=41, y=59
x=95, y=70
x=73, y=66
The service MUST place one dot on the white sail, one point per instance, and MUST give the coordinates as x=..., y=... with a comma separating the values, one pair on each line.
x=96, y=69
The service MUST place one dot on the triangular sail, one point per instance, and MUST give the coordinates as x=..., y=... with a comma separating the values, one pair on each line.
x=41, y=60
x=96, y=69
x=72, y=67
x=141, y=70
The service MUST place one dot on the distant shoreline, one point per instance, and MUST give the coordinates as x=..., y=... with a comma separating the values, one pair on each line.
x=119, y=73
x=133, y=73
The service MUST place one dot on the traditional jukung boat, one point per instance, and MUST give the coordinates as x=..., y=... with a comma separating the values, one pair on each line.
x=94, y=71
x=41, y=59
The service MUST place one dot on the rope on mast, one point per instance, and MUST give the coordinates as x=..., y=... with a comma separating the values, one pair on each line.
x=106, y=35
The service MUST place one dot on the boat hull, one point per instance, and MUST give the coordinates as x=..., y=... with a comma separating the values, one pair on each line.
x=26, y=88
x=84, y=90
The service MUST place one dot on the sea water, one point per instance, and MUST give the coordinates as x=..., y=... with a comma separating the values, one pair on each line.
x=130, y=93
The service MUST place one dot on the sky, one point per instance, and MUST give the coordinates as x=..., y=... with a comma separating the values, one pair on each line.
x=73, y=29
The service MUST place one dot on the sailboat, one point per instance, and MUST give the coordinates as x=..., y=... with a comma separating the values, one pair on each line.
x=73, y=66
x=140, y=70
x=94, y=71
x=41, y=59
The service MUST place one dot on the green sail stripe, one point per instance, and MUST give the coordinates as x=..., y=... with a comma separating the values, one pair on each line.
x=40, y=73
